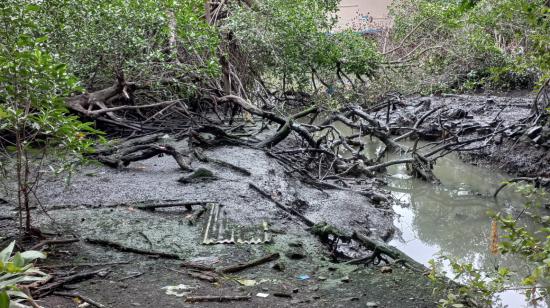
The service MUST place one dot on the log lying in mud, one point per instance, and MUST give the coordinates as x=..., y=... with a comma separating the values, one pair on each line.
x=58, y=283
x=203, y=158
x=81, y=297
x=379, y=247
x=142, y=205
x=242, y=266
x=221, y=299
x=124, y=248
x=288, y=210
x=54, y=242
x=161, y=204
x=143, y=152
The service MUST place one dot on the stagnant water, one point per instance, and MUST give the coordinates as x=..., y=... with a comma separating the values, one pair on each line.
x=452, y=218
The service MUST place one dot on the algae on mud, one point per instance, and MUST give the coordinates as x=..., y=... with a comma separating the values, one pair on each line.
x=166, y=230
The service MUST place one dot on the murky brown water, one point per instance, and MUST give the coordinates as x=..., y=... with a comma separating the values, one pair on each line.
x=451, y=219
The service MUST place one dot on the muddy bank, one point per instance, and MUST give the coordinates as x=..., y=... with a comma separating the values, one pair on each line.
x=518, y=148
x=102, y=204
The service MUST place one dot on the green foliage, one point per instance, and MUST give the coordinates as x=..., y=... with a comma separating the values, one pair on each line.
x=17, y=269
x=473, y=44
x=476, y=285
x=289, y=40
x=33, y=85
x=532, y=245
x=98, y=38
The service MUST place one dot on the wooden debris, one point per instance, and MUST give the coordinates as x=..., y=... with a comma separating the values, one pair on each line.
x=192, y=219
x=131, y=276
x=161, y=204
x=85, y=264
x=81, y=297
x=242, y=266
x=206, y=276
x=50, y=288
x=379, y=247
x=289, y=210
x=221, y=299
x=54, y=242
x=197, y=266
x=121, y=247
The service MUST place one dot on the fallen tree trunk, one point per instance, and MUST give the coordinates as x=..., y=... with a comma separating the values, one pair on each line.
x=380, y=247
x=143, y=152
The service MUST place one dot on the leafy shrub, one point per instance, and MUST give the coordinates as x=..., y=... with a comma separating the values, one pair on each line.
x=473, y=44
x=17, y=269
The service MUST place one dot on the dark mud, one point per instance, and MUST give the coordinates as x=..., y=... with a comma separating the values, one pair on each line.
x=85, y=209
x=522, y=150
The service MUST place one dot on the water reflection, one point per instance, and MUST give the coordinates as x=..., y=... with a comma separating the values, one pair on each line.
x=452, y=218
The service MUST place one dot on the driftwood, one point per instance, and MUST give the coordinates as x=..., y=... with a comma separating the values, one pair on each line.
x=54, y=242
x=143, y=152
x=81, y=297
x=85, y=264
x=50, y=288
x=379, y=247
x=142, y=205
x=206, y=276
x=221, y=299
x=200, y=272
x=197, y=266
x=152, y=205
x=212, y=274
x=242, y=266
x=221, y=163
x=121, y=247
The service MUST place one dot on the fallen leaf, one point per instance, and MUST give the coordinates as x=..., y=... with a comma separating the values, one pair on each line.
x=246, y=282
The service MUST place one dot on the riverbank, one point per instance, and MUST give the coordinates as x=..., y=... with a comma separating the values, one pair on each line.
x=110, y=211
x=101, y=204
x=517, y=147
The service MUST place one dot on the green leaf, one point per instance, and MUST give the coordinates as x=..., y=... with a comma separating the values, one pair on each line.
x=4, y=300
x=6, y=253
x=18, y=260
x=33, y=8
x=17, y=293
x=33, y=255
